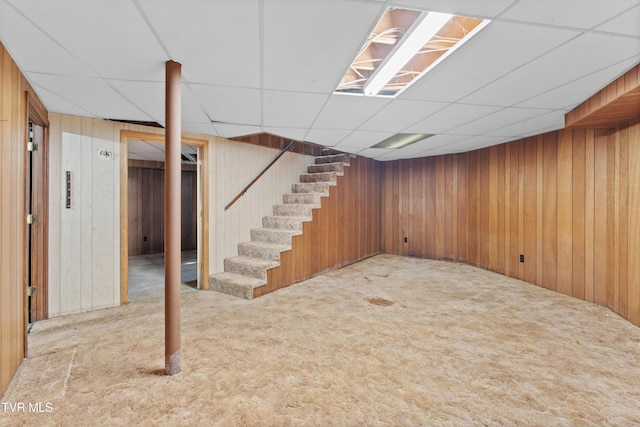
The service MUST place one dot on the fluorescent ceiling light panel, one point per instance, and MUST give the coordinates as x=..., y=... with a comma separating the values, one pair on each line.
x=401, y=140
x=427, y=27
x=404, y=45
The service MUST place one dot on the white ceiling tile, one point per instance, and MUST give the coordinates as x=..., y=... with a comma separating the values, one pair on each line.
x=192, y=112
x=94, y=95
x=577, y=91
x=229, y=104
x=495, y=51
x=535, y=65
x=55, y=104
x=436, y=141
x=291, y=109
x=485, y=8
x=499, y=119
x=450, y=117
x=348, y=111
x=361, y=139
x=150, y=97
x=229, y=131
x=375, y=153
x=216, y=42
x=326, y=137
x=470, y=143
x=553, y=119
x=627, y=23
x=399, y=114
x=308, y=45
x=292, y=133
x=32, y=50
x=152, y=150
x=570, y=13
x=579, y=57
x=110, y=37
x=143, y=147
x=203, y=128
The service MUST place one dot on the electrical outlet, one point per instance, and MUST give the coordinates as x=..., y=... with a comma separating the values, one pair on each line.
x=406, y=239
x=144, y=239
x=521, y=257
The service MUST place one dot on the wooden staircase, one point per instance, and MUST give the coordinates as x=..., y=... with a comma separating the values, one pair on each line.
x=248, y=271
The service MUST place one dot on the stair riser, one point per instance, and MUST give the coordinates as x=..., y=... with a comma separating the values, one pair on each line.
x=229, y=288
x=232, y=266
x=282, y=223
x=327, y=167
x=330, y=177
x=311, y=187
x=270, y=236
x=344, y=158
x=247, y=250
x=302, y=199
x=293, y=210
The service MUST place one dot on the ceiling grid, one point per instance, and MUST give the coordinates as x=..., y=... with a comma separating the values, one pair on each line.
x=254, y=66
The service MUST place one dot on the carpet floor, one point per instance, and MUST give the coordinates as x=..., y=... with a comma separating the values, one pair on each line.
x=388, y=341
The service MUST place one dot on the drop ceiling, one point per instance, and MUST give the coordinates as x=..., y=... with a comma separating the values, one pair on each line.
x=272, y=66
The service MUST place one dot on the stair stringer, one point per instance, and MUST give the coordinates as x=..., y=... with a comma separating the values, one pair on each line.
x=330, y=240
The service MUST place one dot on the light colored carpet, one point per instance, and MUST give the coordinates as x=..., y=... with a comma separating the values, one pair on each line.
x=457, y=346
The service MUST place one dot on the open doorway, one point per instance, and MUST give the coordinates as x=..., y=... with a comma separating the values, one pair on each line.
x=36, y=208
x=142, y=216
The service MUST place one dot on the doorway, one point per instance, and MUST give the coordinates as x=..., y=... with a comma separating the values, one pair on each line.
x=142, y=217
x=36, y=208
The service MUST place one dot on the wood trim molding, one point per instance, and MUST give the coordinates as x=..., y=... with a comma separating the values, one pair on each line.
x=125, y=136
x=615, y=105
x=265, y=139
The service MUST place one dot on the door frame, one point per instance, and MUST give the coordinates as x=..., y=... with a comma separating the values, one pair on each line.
x=203, y=146
x=35, y=113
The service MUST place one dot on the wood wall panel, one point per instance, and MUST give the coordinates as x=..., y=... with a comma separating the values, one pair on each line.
x=614, y=105
x=567, y=200
x=274, y=141
x=146, y=207
x=13, y=271
x=330, y=240
x=631, y=301
x=84, y=243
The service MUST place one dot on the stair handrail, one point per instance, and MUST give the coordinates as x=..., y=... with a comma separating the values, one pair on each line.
x=245, y=189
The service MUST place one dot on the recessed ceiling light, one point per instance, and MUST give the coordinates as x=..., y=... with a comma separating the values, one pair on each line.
x=404, y=45
x=401, y=140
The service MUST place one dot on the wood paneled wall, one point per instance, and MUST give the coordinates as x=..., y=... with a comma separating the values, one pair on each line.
x=84, y=244
x=233, y=165
x=273, y=141
x=13, y=124
x=567, y=200
x=146, y=207
x=345, y=229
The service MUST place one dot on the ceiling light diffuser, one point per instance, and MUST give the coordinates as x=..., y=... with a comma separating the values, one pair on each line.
x=427, y=25
x=404, y=45
x=401, y=140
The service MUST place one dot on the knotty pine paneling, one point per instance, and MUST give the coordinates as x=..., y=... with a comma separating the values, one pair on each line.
x=567, y=200
x=13, y=123
x=343, y=229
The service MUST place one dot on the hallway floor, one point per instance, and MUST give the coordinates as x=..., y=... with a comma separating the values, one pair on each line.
x=387, y=341
x=146, y=275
